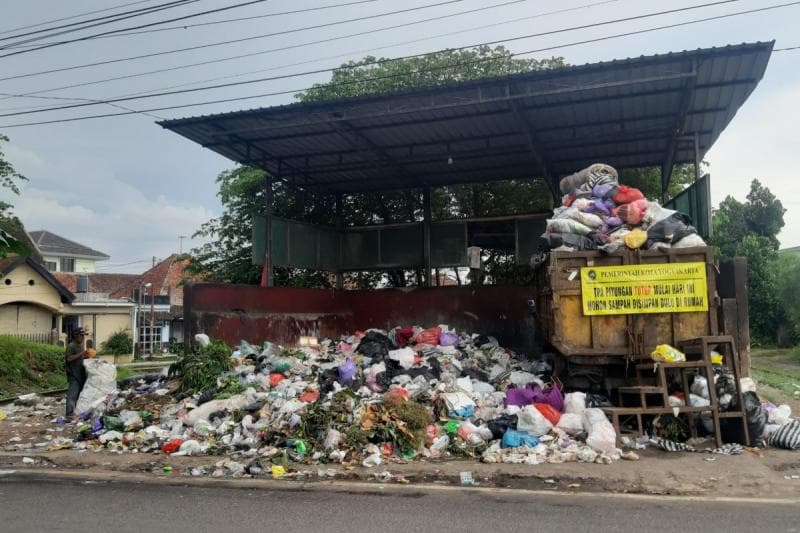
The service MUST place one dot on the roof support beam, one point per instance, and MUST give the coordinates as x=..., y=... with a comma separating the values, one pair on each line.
x=677, y=131
x=357, y=139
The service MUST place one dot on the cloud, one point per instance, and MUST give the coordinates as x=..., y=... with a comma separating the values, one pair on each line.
x=82, y=200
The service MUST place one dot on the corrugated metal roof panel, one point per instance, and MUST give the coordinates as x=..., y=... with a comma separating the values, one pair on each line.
x=626, y=113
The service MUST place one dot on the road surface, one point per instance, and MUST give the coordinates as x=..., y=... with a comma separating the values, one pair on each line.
x=121, y=507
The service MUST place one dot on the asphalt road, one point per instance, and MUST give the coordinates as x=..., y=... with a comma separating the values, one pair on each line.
x=30, y=505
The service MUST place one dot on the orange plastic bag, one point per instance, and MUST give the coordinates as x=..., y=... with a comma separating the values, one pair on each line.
x=626, y=195
x=275, y=378
x=549, y=412
x=172, y=446
x=429, y=336
x=309, y=396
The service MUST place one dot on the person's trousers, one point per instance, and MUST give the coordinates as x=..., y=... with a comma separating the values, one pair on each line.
x=73, y=392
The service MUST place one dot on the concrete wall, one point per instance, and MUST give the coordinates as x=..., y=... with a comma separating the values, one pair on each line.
x=102, y=322
x=25, y=318
x=235, y=312
x=25, y=285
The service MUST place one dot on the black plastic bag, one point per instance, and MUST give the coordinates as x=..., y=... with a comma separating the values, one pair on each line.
x=727, y=392
x=498, y=426
x=374, y=345
x=549, y=241
x=670, y=230
x=597, y=400
x=757, y=418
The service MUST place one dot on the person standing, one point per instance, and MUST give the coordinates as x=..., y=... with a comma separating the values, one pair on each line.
x=76, y=373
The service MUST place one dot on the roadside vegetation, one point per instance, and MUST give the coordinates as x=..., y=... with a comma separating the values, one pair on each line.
x=779, y=369
x=30, y=367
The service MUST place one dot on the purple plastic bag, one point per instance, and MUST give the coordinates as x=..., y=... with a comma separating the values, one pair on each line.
x=97, y=425
x=347, y=371
x=551, y=396
x=448, y=339
x=520, y=396
x=604, y=190
x=613, y=222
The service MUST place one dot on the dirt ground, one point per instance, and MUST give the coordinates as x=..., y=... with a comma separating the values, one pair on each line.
x=766, y=473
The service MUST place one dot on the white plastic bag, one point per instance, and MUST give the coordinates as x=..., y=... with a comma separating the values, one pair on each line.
x=700, y=386
x=530, y=420
x=602, y=437
x=570, y=423
x=404, y=356
x=575, y=403
x=101, y=382
x=780, y=415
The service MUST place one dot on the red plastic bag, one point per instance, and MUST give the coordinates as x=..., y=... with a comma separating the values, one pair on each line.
x=172, y=446
x=403, y=335
x=631, y=213
x=549, y=412
x=626, y=195
x=429, y=336
x=275, y=378
x=309, y=396
x=567, y=200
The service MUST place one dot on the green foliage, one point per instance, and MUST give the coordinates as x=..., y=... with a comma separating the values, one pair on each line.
x=648, y=180
x=9, y=179
x=750, y=229
x=788, y=280
x=228, y=386
x=29, y=366
x=200, y=368
x=120, y=343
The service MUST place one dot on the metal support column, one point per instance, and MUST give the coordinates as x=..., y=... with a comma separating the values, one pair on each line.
x=266, y=276
x=426, y=250
x=697, y=157
x=339, y=228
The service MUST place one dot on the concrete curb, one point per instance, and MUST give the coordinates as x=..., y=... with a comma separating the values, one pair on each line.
x=349, y=487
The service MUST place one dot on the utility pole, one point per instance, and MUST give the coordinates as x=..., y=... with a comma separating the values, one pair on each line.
x=152, y=317
x=180, y=240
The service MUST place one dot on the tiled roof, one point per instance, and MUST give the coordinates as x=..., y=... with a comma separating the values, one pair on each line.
x=50, y=243
x=115, y=285
x=167, y=276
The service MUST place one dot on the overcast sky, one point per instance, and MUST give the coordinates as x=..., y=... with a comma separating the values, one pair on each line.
x=127, y=187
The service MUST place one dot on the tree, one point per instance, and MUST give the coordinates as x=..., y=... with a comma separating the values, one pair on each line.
x=788, y=281
x=227, y=257
x=750, y=229
x=648, y=180
x=9, y=224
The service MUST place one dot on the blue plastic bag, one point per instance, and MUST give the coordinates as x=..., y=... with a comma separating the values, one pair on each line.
x=347, y=371
x=516, y=439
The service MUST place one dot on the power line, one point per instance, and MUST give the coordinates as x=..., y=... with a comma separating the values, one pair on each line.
x=71, y=17
x=280, y=49
x=786, y=49
x=98, y=21
x=158, y=23
x=238, y=19
x=234, y=41
x=278, y=67
x=390, y=76
x=320, y=71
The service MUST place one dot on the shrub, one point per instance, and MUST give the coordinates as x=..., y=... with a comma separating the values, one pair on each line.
x=120, y=343
x=29, y=366
x=200, y=368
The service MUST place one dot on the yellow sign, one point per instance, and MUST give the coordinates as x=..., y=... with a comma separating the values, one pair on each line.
x=636, y=289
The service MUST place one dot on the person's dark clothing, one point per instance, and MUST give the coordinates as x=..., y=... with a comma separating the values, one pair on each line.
x=76, y=376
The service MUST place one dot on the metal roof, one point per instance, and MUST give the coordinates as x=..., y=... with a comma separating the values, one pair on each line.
x=637, y=112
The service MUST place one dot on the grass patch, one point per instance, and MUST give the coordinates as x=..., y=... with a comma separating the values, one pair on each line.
x=124, y=372
x=778, y=368
x=30, y=367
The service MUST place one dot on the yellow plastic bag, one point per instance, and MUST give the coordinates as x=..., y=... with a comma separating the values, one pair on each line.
x=2, y=415
x=716, y=358
x=278, y=471
x=665, y=353
x=635, y=239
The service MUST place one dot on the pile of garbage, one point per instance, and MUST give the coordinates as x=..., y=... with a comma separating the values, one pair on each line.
x=367, y=399
x=599, y=213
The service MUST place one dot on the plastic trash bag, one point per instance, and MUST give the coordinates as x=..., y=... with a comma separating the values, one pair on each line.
x=586, y=179
x=518, y=439
x=631, y=213
x=530, y=420
x=550, y=395
x=757, y=418
x=499, y=425
x=552, y=240
x=672, y=229
x=787, y=436
x=374, y=345
x=626, y=195
x=429, y=336
x=575, y=403
x=601, y=435
x=347, y=371
x=202, y=340
x=404, y=356
x=635, y=239
x=780, y=415
x=605, y=190
x=567, y=225
x=690, y=241
x=570, y=423
x=459, y=404
x=597, y=400
x=700, y=386
x=447, y=338
x=549, y=412
x=101, y=382
x=573, y=213
x=667, y=354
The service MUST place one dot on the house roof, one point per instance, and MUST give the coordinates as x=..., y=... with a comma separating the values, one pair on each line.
x=114, y=285
x=637, y=112
x=50, y=243
x=8, y=264
x=168, y=275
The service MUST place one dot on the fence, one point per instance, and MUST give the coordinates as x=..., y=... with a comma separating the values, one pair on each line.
x=41, y=338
